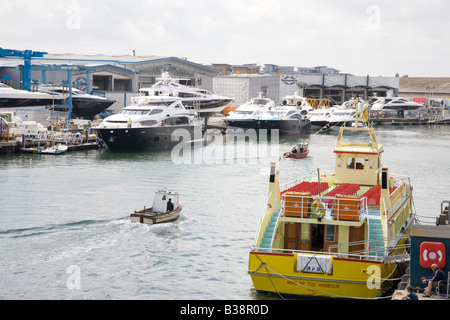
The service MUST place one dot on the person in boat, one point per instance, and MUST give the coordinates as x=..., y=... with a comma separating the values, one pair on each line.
x=169, y=205
x=130, y=122
x=438, y=275
x=294, y=150
x=411, y=294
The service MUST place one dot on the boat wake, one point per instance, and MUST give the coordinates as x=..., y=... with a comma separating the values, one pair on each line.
x=53, y=228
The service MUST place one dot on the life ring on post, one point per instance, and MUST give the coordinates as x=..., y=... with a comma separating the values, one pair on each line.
x=318, y=209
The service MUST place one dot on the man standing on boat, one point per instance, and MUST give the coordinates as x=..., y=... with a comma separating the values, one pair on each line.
x=437, y=276
x=169, y=205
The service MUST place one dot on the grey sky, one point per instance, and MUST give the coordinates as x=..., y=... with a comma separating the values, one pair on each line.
x=355, y=36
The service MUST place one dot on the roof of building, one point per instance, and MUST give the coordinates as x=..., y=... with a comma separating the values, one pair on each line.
x=423, y=84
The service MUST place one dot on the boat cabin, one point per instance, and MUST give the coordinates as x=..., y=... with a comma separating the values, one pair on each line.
x=161, y=199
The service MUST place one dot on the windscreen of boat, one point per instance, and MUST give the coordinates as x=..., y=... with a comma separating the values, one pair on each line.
x=240, y=112
x=260, y=101
x=176, y=121
x=140, y=112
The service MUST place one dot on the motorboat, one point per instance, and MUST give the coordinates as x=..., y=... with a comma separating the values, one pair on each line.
x=286, y=119
x=202, y=101
x=300, y=151
x=55, y=149
x=342, y=117
x=161, y=211
x=345, y=114
x=15, y=98
x=245, y=115
x=402, y=104
x=84, y=105
x=298, y=101
x=339, y=235
x=320, y=117
x=148, y=124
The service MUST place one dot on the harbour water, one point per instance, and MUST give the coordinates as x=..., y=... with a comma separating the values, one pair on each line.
x=64, y=220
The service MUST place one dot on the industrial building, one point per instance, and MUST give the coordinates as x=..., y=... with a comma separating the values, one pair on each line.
x=117, y=77
x=320, y=82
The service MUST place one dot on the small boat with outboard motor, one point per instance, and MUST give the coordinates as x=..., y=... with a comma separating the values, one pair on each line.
x=339, y=235
x=54, y=149
x=300, y=151
x=165, y=208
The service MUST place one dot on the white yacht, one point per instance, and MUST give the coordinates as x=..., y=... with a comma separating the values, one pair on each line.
x=286, y=119
x=342, y=117
x=320, y=117
x=245, y=115
x=298, y=101
x=199, y=100
x=84, y=105
x=148, y=124
x=345, y=114
x=15, y=98
x=402, y=104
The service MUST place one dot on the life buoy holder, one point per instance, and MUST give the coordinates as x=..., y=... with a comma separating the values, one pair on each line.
x=318, y=209
x=430, y=253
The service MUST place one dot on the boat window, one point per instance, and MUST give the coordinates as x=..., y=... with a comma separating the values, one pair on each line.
x=176, y=121
x=330, y=233
x=185, y=95
x=148, y=122
x=155, y=111
x=355, y=163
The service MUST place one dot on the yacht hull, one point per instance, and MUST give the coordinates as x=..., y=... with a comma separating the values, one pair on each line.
x=89, y=108
x=25, y=102
x=144, y=138
x=242, y=123
x=285, y=127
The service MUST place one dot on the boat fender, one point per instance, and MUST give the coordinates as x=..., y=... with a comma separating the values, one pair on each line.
x=318, y=209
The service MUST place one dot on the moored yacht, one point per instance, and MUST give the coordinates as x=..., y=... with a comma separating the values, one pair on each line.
x=149, y=124
x=84, y=105
x=202, y=101
x=245, y=115
x=320, y=117
x=286, y=119
x=14, y=98
x=340, y=235
x=298, y=101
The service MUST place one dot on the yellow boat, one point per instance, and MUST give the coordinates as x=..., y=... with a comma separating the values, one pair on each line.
x=341, y=235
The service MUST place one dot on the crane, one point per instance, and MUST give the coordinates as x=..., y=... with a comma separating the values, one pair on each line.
x=27, y=55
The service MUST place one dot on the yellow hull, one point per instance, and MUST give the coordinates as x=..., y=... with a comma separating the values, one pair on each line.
x=350, y=278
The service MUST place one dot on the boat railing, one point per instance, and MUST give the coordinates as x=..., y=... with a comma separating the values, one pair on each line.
x=62, y=137
x=261, y=218
x=397, y=253
x=338, y=207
